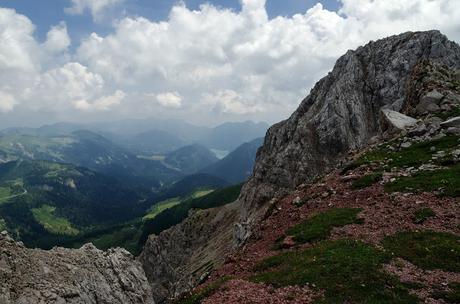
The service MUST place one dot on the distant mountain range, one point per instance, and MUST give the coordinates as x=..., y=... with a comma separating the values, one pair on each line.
x=155, y=136
x=150, y=142
x=190, y=159
x=237, y=166
x=62, y=185
x=90, y=150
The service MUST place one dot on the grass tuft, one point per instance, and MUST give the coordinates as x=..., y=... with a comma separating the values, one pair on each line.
x=319, y=226
x=453, y=113
x=451, y=296
x=422, y=215
x=415, y=155
x=366, y=180
x=447, y=181
x=426, y=249
x=348, y=271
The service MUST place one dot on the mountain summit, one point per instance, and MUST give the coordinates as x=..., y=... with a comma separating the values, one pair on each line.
x=342, y=112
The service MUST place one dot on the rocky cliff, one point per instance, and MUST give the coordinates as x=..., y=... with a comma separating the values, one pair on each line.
x=355, y=198
x=86, y=275
x=182, y=256
x=342, y=112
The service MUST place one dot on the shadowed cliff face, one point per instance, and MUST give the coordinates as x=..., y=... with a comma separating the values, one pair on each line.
x=341, y=113
x=182, y=256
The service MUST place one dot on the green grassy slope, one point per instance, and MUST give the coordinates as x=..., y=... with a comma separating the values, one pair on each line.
x=174, y=215
x=44, y=202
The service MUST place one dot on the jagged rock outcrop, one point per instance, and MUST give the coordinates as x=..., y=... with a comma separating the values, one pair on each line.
x=79, y=276
x=341, y=113
x=181, y=257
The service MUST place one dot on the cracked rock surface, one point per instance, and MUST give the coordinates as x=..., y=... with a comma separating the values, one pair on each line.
x=341, y=114
x=78, y=276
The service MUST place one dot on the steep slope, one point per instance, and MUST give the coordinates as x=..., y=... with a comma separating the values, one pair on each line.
x=178, y=213
x=190, y=159
x=86, y=275
x=237, y=166
x=383, y=229
x=180, y=257
x=343, y=113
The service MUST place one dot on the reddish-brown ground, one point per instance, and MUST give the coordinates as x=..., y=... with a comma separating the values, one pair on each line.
x=383, y=214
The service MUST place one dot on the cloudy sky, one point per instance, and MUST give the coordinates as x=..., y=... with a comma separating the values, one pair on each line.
x=205, y=62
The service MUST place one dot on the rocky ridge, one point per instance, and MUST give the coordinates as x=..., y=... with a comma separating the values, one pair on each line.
x=404, y=191
x=341, y=113
x=85, y=275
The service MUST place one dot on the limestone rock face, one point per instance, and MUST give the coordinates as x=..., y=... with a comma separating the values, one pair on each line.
x=80, y=276
x=341, y=113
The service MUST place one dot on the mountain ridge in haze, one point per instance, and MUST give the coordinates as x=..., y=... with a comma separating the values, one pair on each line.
x=166, y=135
x=237, y=166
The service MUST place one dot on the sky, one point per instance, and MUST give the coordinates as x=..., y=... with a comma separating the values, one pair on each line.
x=203, y=62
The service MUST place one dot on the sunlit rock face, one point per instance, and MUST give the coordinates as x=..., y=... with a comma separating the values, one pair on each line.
x=341, y=114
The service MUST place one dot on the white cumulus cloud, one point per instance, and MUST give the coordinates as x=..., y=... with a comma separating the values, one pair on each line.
x=170, y=100
x=103, y=103
x=209, y=64
x=95, y=7
x=73, y=86
x=245, y=62
x=18, y=48
x=57, y=39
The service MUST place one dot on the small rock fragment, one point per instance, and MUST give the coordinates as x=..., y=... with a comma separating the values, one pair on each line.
x=453, y=122
x=288, y=242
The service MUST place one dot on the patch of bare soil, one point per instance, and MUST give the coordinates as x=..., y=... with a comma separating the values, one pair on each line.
x=241, y=291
